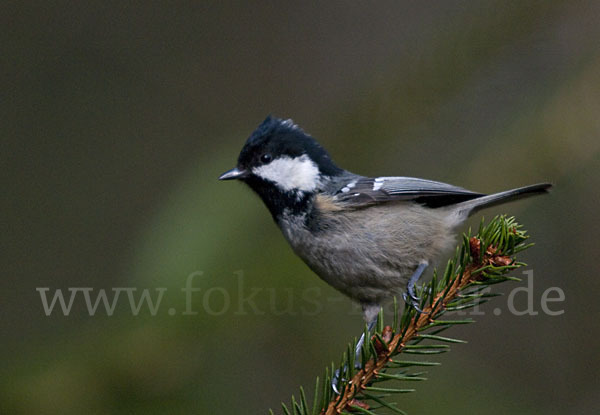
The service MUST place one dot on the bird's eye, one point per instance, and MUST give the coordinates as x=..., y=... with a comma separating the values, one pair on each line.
x=265, y=158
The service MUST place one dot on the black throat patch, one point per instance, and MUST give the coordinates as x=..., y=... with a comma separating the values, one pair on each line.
x=278, y=201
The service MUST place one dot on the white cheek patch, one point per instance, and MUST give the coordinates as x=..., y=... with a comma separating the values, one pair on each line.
x=299, y=173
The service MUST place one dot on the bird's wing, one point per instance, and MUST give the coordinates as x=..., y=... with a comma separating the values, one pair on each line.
x=365, y=191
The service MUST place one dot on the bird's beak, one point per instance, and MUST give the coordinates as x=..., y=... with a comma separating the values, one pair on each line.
x=233, y=174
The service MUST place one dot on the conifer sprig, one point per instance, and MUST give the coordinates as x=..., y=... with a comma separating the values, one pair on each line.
x=392, y=360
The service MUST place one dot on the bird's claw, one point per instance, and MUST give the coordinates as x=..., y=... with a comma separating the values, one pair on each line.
x=336, y=377
x=334, y=382
x=357, y=365
x=413, y=301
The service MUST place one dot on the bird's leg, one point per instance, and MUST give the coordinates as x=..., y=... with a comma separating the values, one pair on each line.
x=361, y=341
x=370, y=312
x=371, y=317
x=412, y=299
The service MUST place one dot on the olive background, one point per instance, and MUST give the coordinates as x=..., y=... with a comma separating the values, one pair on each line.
x=117, y=118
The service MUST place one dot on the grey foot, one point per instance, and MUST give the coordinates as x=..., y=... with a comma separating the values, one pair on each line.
x=410, y=296
x=357, y=365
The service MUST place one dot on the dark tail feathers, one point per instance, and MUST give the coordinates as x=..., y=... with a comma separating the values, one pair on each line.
x=471, y=206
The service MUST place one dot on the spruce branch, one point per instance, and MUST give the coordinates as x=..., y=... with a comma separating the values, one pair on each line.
x=479, y=262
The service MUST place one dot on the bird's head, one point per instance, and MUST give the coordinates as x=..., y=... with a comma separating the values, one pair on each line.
x=283, y=164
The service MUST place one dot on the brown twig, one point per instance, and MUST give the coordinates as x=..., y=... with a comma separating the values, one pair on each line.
x=364, y=376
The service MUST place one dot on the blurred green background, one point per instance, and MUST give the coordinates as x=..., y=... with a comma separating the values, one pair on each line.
x=117, y=118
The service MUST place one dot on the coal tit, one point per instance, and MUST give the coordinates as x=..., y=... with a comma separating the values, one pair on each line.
x=367, y=237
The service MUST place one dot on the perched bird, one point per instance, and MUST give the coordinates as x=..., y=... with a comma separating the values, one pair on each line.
x=367, y=237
